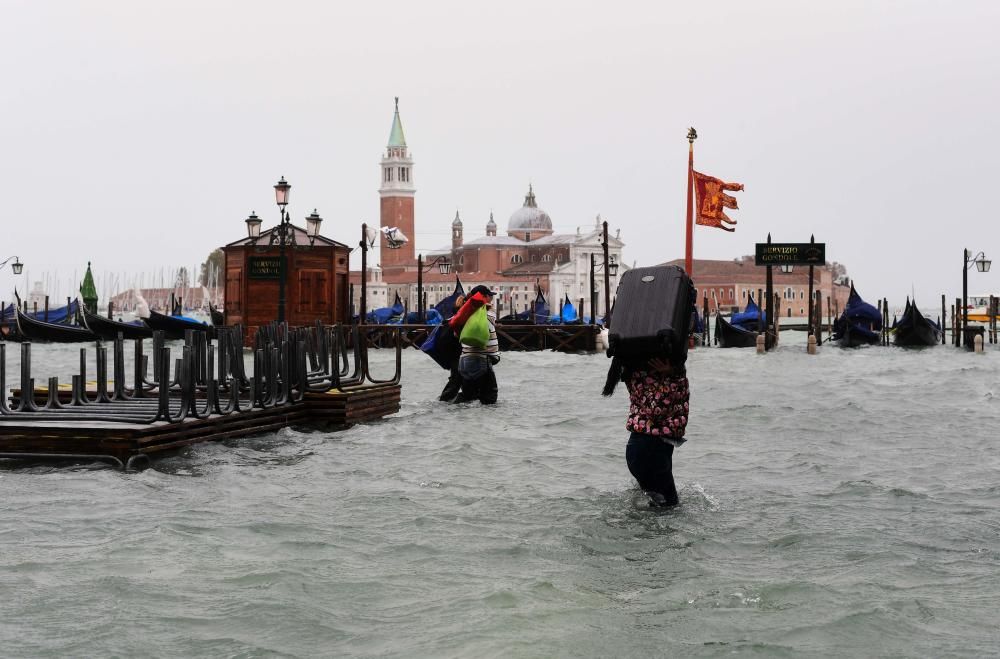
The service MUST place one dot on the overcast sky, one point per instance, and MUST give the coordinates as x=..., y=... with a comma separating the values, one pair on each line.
x=139, y=135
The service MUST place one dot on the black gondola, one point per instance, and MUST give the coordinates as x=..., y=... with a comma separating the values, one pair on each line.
x=109, y=329
x=174, y=326
x=860, y=324
x=218, y=318
x=733, y=336
x=39, y=330
x=915, y=330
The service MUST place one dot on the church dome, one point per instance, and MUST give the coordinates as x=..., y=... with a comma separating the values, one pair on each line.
x=529, y=217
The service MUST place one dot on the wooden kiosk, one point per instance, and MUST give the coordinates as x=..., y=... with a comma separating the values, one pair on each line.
x=316, y=280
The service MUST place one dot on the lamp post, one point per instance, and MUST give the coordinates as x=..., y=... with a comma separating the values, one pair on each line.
x=282, y=235
x=982, y=265
x=444, y=267
x=610, y=268
x=367, y=240
x=15, y=267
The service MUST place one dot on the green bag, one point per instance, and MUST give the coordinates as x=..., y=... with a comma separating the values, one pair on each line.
x=476, y=332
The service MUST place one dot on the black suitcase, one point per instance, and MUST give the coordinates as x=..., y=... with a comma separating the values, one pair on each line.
x=652, y=314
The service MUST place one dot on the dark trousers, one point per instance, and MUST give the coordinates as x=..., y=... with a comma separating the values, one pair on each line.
x=649, y=459
x=483, y=388
x=453, y=386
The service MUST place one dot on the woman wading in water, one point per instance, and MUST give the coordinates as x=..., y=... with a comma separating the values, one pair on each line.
x=657, y=417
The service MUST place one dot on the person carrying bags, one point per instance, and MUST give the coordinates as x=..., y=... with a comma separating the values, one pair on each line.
x=480, y=347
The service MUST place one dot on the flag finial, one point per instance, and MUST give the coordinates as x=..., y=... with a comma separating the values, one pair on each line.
x=692, y=135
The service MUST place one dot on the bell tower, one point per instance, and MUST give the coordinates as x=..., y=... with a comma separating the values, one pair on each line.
x=396, y=198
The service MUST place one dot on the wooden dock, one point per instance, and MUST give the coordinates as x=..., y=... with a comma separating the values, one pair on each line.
x=301, y=378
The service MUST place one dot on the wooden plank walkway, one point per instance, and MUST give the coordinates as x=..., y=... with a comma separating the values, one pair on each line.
x=123, y=443
x=301, y=377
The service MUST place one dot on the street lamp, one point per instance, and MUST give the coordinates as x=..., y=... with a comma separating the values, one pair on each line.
x=444, y=267
x=313, y=222
x=253, y=226
x=982, y=265
x=368, y=237
x=610, y=270
x=16, y=266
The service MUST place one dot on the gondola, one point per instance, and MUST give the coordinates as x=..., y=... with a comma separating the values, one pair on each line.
x=173, y=327
x=39, y=330
x=740, y=331
x=109, y=329
x=860, y=324
x=915, y=330
x=733, y=336
x=218, y=318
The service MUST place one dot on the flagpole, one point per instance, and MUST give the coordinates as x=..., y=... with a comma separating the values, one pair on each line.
x=689, y=243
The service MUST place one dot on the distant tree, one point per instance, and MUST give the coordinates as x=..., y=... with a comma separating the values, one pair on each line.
x=213, y=264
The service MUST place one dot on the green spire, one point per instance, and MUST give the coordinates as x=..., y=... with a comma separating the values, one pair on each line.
x=88, y=291
x=396, y=137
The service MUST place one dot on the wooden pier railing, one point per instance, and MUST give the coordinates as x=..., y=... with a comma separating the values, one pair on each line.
x=302, y=375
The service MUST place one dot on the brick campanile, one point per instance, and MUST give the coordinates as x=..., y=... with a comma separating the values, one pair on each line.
x=396, y=199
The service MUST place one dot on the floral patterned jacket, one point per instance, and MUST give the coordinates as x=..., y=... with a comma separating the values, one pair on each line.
x=658, y=404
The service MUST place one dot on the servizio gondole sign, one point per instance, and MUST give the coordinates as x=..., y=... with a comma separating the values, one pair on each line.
x=790, y=254
x=264, y=267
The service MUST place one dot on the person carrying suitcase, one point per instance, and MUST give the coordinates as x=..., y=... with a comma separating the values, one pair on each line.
x=657, y=418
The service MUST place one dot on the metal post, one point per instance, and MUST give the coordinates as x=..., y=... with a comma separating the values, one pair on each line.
x=364, y=275
x=593, y=291
x=812, y=239
x=769, y=284
x=607, y=275
x=420, y=288
x=965, y=295
x=281, y=267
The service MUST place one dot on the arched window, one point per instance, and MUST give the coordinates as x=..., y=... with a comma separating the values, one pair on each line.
x=546, y=258
x=516, y=259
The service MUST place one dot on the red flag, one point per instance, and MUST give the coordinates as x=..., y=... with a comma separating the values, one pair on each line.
x=712, y=200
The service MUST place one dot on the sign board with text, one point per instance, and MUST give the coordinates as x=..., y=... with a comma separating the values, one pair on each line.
x=264, y=267
x=790, y=254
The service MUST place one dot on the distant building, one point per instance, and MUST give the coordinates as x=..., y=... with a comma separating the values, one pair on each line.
x=527, y=256
x=727, y=285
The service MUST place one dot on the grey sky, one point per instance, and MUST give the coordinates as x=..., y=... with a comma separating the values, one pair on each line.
x=139, y=135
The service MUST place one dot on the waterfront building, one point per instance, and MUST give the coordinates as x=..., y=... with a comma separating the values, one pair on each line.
x=727, y=284
x=527, y=256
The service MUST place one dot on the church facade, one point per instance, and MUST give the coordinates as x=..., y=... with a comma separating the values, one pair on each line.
x=527, y=256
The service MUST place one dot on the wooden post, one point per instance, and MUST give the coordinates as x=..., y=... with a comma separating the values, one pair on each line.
x=704, y=320
x=829, y=315
x=944, y=316
x=958, y=323
x=46, y=308
x=885, y=322
x=579, y=312
x=111, y=310
x=819, y=318
x=34, y=308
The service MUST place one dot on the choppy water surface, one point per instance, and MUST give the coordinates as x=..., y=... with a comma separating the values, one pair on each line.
x=843, y=504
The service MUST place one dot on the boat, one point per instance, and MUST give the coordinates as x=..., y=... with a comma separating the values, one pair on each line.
x=32, y=329
x=915, y=330
x=741, y=330
x=860, y=324
x=729, y=335
x=218, y=318
x=174, y=327
x=109, y=329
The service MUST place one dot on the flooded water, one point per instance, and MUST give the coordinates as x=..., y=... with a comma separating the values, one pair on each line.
x=843, y=504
